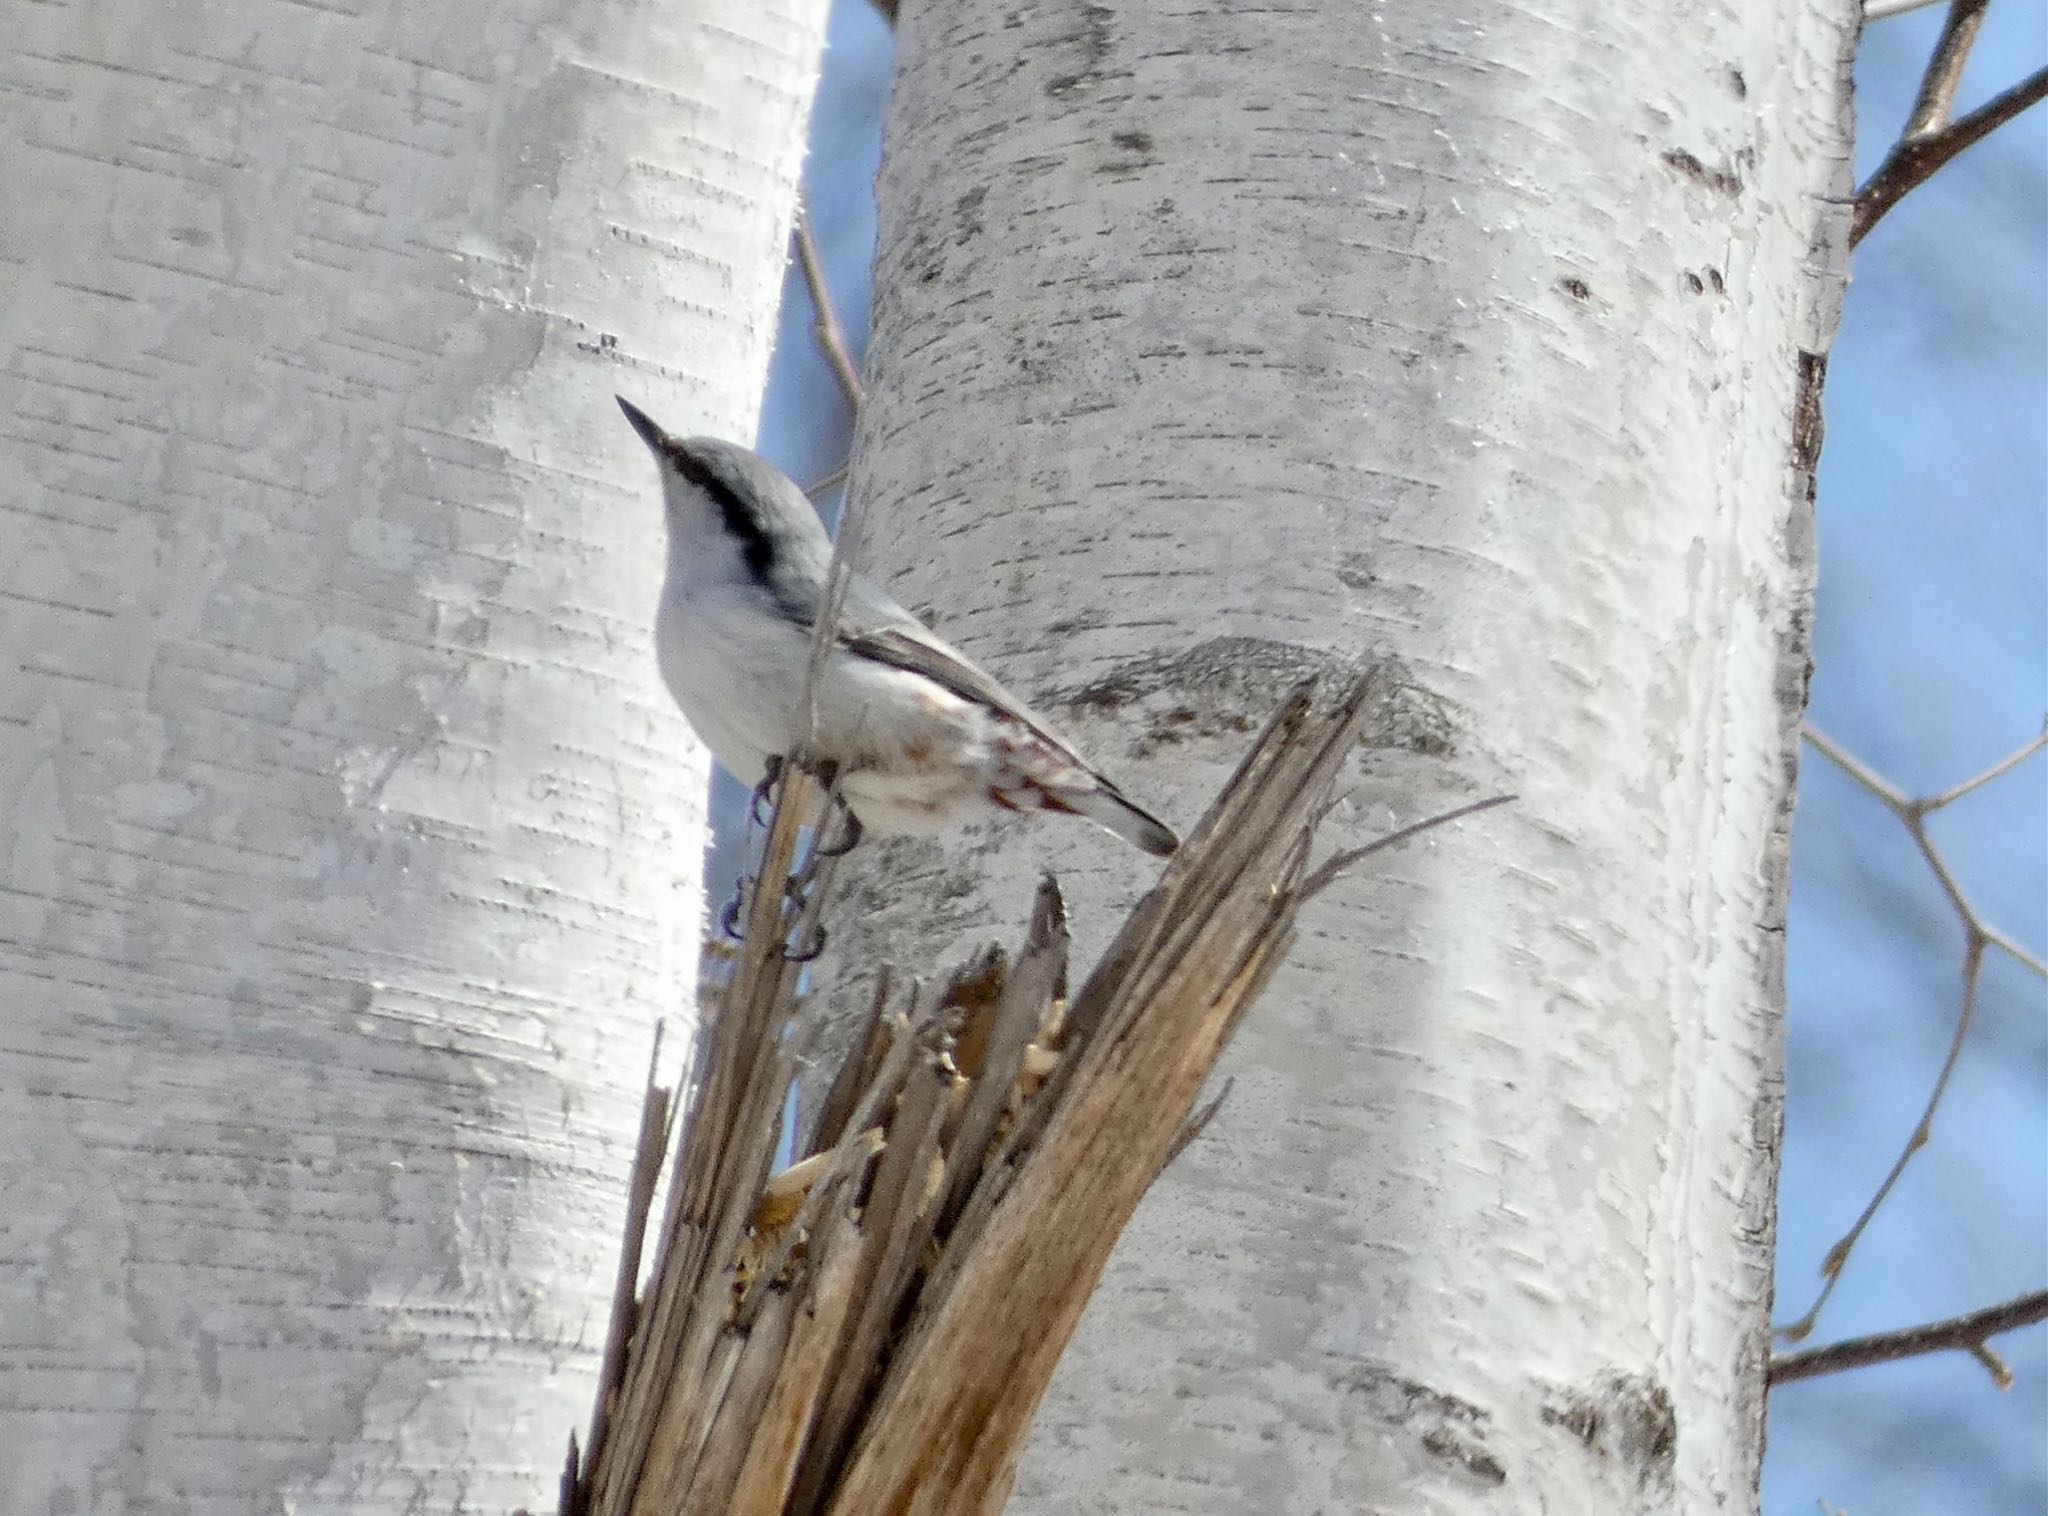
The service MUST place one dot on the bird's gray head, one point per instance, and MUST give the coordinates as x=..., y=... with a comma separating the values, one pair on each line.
x=729, y=511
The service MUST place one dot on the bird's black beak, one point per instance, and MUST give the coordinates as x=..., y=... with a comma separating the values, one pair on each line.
x=650, y=434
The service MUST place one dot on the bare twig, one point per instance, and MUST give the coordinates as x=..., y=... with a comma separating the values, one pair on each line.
x=1334, y=866
x=828, y=330
x=1838, y=1255
x=1967, y=1334
x=1913, y=160
x=831, y=481
x=846, y=539
x=831, y=335
x=1913, y=814
x=1935, y=106
x=1977, y=937
x=1198, y=1123
x=1997, y=770
x=839, y=354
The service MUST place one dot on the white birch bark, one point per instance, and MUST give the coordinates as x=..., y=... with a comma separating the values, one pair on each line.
x=348, y=847
x=1216, y=343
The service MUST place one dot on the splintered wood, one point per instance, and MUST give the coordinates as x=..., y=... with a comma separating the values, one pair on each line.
x=869, y=1332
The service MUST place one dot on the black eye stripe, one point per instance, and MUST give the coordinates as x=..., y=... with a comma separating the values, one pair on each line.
x=756, y=546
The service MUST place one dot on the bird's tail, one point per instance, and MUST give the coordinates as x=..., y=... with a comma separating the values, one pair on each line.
x=1105, y=805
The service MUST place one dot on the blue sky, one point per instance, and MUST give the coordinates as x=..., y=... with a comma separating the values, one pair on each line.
x=1932, y=663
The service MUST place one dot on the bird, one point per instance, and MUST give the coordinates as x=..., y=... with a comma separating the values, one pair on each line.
x=919, y=737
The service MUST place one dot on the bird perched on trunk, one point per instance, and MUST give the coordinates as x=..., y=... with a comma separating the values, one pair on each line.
x=921, y=738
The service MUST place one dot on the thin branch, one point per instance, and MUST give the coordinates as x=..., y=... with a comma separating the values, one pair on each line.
x=1913, y=813
x=1198, y=1123
x=1334, y=866
x=1895, y=799
x=831, y=481
x=1966, y=1334
x=1838, y=1255
x=2026, y=959
x=1997, y=770
x=831, y=336
x=1913, y=161
x=1977, y=936
x=846, y=539
x=1935, y=105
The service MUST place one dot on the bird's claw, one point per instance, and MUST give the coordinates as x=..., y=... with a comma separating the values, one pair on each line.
x=758, y=809
x=729, y=917
x=845, y=842
x=760, y=812
x=807, y=953
x=793, y=891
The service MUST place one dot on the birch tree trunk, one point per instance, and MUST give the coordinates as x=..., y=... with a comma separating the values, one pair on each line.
x=1217, y=344
x=348, y=848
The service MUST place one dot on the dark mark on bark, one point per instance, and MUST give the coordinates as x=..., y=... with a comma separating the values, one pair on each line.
x=1136, y=153
x=1226, y=687
x=1414, y=719
x=1442, y=1442
x=1809, y=424
x=1451, y=1429
x=1718, y=180
x=1737, y=83
x=1576, y=287
x=1625, y=1417
x=1221, y=661
x=1694, y=283
x=1403, y=1400
x=967, y=211
x=1094, y=40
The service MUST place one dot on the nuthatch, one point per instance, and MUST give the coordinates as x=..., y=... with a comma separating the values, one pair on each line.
x=919, y=736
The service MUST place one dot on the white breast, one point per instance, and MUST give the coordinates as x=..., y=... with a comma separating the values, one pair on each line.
x=736, y=672
x=913, y=755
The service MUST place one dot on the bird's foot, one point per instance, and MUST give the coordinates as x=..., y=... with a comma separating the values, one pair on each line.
x=759, y=810
x=848, y=838
x=826, y=844
x=735, y=907
x=810, y=950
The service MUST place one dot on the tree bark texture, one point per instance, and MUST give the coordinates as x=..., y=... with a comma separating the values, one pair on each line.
x=1214, y=345
x=348, y=847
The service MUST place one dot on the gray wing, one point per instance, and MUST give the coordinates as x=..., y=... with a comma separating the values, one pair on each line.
x=903, y=643
x=907, y=645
